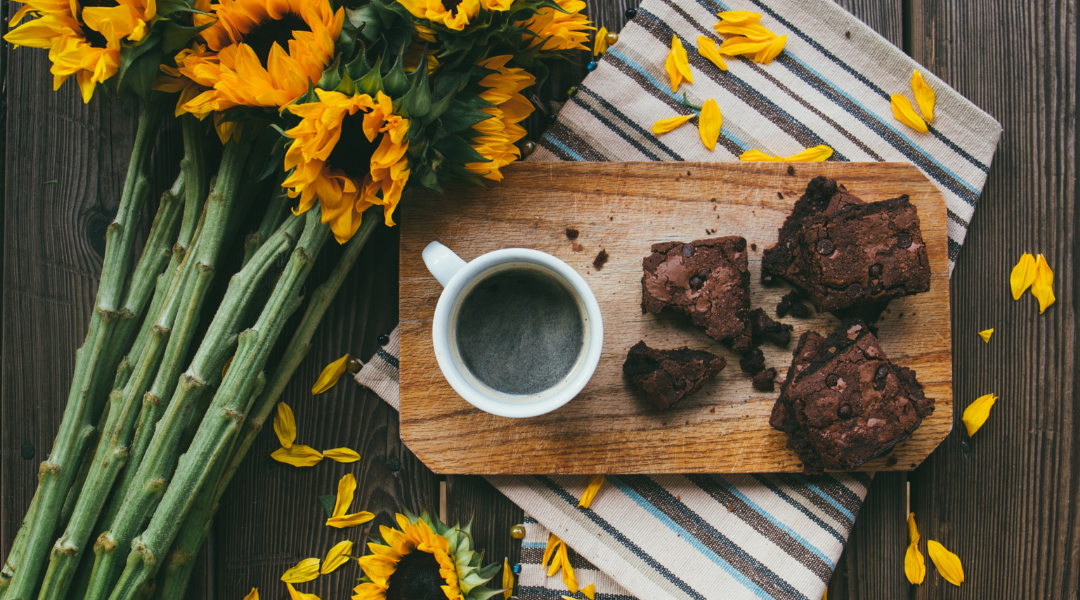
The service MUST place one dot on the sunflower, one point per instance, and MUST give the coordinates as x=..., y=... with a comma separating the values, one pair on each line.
x=340, y=158
x=558, y=30
x=261, y=52
x=498, y=134
x=83, y=39
x=422, y=557
x=452, y=14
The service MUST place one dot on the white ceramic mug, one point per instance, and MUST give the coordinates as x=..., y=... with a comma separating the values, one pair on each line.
x=458, y=278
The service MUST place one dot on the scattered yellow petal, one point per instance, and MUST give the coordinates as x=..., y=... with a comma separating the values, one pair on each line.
x=1043, y=288
x=709, y=123
x=914, y=563
x=590, y=490
x=947, y=563
x=666, y=125
x=924, y=95
x=985, y=335
x=346, y=521
x=825, y=594
x=742, y=45
x=552, y=547
x=298, y=455
x=677, y=64
x=768, y=53
x=253, y=594
x=508, y=580
x=589, y=591
x=346, y=487
x=337, y=556
x=342, y=455
x=706, y=47
x=567, y=571
x=295, y=595
x=285, y=425
x=305, y=570
x=903, y=111
x=1023, y=275
x=330, y=375
x=600, y=42
x=977, y=412
x=739, y=16
x=751, y=31
x=815, y=154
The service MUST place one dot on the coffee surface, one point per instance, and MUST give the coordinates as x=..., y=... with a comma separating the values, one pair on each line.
x=519, y=331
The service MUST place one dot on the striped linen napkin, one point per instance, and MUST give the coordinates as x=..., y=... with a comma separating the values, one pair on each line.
x=749, y=536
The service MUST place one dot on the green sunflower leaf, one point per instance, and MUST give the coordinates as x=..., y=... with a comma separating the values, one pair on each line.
x=460, y=116
x=458, y=150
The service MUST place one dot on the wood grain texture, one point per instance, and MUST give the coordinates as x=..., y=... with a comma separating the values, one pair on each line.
x=625, y=208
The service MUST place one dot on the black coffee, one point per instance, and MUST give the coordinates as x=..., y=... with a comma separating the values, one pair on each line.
x=519, y=331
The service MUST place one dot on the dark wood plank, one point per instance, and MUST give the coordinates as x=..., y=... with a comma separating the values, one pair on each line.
x=1006, y=500
x=472, y=498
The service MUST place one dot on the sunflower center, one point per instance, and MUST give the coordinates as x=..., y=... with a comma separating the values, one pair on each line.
x=416, y=578
x=352, y=153
x=94, y=38
x=451, y=6
x=266, y=34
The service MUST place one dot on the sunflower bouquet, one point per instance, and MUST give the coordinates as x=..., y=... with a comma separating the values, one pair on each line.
x=337, y=108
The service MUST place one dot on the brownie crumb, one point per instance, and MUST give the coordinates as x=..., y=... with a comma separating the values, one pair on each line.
x=753, y=247
x=791, y=304
x=600, y=260
x=765, y=328
x=780, y=195
x=571, y=233
x=790, y=170
x=576, y=247
x=752, y=362
x=765, y=381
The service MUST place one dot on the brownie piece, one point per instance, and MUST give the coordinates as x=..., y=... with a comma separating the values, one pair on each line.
x=667, y=376
x=708, y=280
x=823, y=196
x=791, y=304
x=763, y=327
x=864, y=254
x=844, y=402
x=765, y=380
x=752, y=361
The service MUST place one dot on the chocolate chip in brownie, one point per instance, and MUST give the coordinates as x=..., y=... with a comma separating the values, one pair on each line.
x=667, y=376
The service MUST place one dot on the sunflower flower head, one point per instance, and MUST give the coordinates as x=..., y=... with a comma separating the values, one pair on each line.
x=451, y=14
x=499, y=134
x=554, y=29
x=424, y=551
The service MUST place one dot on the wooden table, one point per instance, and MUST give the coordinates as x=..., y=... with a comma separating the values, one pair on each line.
x=1007, y=502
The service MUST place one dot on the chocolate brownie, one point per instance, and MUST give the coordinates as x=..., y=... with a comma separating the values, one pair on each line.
x=708, y=280
x=765, y=380
x=791, y=304
x=752, y=361
x=763, y=327
x=844, y=403
x=667, y=376
x=863, y=255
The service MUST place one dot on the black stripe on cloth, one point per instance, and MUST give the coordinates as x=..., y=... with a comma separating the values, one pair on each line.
x=800, y=488
x=737, y=86
x=817, y=46
x=534, y=556
x=629, y=124
x=548, y=141
x=389, y=358
x=954, y=249
x=528, y=592
x=838, y=491
x=626, y=69
x=863, y=478
x=730, y=552
x=765, y=527
x=772, y=487
x=575, y=143
x=621, y=538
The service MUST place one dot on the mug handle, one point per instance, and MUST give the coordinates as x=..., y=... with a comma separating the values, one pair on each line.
x=442, y=262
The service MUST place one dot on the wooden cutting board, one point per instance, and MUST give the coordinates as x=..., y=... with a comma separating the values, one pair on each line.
x=624, y=208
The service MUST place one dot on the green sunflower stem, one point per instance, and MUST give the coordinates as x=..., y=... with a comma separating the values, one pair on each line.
x=275, y=212
x=224, y=417
x=181, y=562
x=174, y=397
x=92, y=365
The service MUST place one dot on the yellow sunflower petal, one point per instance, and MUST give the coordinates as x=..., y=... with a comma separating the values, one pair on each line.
x=815, y=154
x=914, y=563
x=552, y=546
x=706, y=47
x=985, y=335
x=295, y=595
x=924, y=95
x=285, y=425
x=352, y=520
x=342, y=455
x=709, y=123
x=589, y=591
x=507, y=580
x=298, y=455
x=947, y=563
x=567, y=571
x=253, y=594
x=977, y=412
x=666, y=125
x=590, y=490
x=337, y=556
x=330, y=375
x=752, y=31
x=1023, y=275
x=346, y=487
x=1043, y=287
x=739, y=16
x=768, y=53
x=600, y=42
x=903, y=111
x=742, y=45
x=305, y=570
x=677, y=64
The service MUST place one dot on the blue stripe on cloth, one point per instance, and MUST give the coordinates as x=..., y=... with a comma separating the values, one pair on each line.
x=801, y=508
x=547, y=137
x=712, y=532
x=764, y=513
x=828, y=498
x=622, y=539
x=629, y=123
